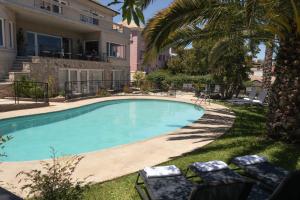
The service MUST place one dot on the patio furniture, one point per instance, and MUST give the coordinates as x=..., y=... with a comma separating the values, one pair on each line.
x=245, y=100
x=287, y=188
x=261, y=97
x=175, y=186
x=6, y=195
x=261, y=169
x=68, y=55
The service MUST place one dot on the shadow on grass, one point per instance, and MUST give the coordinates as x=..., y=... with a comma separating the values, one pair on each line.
x=247, y=136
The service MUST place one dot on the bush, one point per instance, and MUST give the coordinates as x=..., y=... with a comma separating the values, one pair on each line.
x=138, y=78
x=163, y=79
x=126, y=89
x=56, y=183
x=146, y=87
x=159, y=78
x=103, y=93
x=29, y=89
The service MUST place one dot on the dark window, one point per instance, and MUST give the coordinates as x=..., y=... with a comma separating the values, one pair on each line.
x=95, y=21
x=1, y=33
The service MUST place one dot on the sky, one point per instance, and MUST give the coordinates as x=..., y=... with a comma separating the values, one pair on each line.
x=154, y=8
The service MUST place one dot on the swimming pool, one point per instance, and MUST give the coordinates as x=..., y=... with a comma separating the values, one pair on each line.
x=93, y=127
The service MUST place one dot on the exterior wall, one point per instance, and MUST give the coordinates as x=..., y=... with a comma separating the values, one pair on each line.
x=30, y=17
x=49, y=68
x=51, y=30
x=137, y=51
x=118, y=38
x=7, y=54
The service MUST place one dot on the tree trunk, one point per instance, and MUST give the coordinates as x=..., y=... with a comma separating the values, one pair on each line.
x=284, y=107
x=267, y=68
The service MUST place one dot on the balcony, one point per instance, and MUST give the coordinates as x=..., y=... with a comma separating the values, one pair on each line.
x=118, y=28
x=63, y=9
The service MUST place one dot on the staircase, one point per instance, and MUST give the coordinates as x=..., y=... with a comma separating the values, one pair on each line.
x=20, y=68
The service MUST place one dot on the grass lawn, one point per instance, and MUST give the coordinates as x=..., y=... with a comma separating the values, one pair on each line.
x=247, y=136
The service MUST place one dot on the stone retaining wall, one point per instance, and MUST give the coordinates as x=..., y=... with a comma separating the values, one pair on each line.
x=11, y=107
x=6, y=90
x=48, y=68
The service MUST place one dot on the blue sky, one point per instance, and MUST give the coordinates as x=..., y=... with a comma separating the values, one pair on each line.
x=154, y=8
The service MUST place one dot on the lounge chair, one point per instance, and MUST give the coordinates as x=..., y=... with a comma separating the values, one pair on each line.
x=259, y=168
x=261, y=97
x=287, y=189
x=178, y=187
x=6, y=195
x=248, y=99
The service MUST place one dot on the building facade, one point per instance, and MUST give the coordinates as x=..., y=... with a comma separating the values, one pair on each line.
x=62, y=40
x=138, y=49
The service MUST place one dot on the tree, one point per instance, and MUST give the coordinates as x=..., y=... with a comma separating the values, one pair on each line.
x=267, y=67
x=189, y=20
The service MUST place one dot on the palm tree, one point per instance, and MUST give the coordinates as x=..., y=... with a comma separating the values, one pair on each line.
x=185, y=21
x=267, y=67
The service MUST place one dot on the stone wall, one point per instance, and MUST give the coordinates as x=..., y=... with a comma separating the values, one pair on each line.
x=11, y=107
x=6, y=90
x=48, y=68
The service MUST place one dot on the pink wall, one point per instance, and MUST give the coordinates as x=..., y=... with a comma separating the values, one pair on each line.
x=137, y=48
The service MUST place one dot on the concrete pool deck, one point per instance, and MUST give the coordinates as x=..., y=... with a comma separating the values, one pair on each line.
x=125, y=159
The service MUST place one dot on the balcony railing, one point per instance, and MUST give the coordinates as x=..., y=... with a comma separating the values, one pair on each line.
x=65, y=10
x=89, y=57
x=75, y=89
x=119, y=28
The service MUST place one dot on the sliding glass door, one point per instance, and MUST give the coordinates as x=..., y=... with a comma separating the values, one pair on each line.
x=38, y=44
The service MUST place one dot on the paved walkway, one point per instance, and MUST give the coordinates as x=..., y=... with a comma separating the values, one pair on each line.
x=118, y=161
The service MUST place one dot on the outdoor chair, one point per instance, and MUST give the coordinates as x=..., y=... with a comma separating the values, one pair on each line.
x=261, y=97
x=178, y=187
x=6, y=195
x=260, y=169
x=248, y=99
x=218, y=171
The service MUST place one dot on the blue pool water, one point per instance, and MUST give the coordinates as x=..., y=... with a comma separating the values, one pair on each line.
x=93, y=127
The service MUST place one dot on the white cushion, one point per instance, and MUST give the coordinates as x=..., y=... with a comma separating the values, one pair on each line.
x=162, y=171
x=249, y=160
x=210, y=166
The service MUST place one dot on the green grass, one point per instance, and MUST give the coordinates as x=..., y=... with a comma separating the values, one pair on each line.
x=247, y=136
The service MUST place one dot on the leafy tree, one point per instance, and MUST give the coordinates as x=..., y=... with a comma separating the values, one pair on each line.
x=189, y=20
x=55, y=181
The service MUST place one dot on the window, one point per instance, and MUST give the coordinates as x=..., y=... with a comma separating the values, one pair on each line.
x=11, y=34
x=96, y=75
x=57, y=9
x=84, y=18
x=1, y=32
x=89, y=20
x=49, y=44
x=115, y=50
x=45, y=5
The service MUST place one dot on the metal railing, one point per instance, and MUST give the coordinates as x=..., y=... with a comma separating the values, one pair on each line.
x=29, y=90
x=76, y=89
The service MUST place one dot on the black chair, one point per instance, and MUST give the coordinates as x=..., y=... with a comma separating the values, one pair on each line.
x=6, y=195
x=178, y=187
x=288, y=189
x=265, y=172
x=163, y=188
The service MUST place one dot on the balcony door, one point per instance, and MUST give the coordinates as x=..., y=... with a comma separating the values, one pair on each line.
x=92, y=48
x=38, y=44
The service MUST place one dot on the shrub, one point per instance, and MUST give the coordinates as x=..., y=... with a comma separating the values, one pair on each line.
x=146, y=87
x=159, y=78
x=138, y=78
x=163, y=79
x=103, y=93
x=126, y=89
x=29, y=89
x=56, y=183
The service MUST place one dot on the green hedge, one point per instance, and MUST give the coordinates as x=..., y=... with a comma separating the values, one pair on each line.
x=164, y=79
